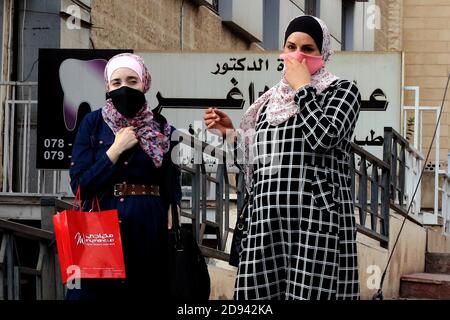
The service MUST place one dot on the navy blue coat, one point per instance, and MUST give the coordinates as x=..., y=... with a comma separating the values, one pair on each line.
x=143, y=218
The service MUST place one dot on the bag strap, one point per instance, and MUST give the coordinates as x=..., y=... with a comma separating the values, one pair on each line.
x=77, y=200
x=176, y=228
x=95, y=201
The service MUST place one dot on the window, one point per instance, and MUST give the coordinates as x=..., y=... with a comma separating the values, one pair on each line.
x=215, y=5
x=235, y=15
x=347, y=31
x=211, y=4
x=312, y=7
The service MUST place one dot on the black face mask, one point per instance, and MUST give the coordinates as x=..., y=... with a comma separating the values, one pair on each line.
x=127, y=101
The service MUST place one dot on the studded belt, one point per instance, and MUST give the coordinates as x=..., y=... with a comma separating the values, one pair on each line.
x=125, y=189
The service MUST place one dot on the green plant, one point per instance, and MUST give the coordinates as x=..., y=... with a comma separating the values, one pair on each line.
x=410, y=129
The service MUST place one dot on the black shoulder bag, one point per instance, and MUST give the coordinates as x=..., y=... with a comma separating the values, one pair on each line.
x=187, y=269
x=188, y=272
x=238, y=233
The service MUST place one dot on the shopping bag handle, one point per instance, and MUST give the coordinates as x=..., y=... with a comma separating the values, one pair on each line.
x=95, y=202
x=77, y=200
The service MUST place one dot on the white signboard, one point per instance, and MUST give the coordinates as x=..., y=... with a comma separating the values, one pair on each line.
x=185, y=84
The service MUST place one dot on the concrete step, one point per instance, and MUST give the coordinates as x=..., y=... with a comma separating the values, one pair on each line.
x=437, y=263
x=425, y=286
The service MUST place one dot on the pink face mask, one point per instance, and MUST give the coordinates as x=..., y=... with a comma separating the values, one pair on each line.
x=314, y=63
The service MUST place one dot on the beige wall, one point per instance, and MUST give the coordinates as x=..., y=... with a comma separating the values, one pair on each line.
x=421, y=29
x=145, y=25
x=222, y=278
x=389, y=36
x=437, y=242
x=426, y=43
x=427, y=194
x=74, y=37
x=408, y=257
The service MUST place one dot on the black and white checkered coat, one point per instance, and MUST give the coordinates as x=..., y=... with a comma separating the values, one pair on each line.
x=301, y=236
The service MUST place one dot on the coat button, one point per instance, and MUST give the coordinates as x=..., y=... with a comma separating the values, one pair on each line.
x=101, y=142
x=125, y=163
x=122, y=200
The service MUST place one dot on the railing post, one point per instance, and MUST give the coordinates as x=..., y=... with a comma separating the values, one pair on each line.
x=219, y=203
x=387, y=178
x=196, y=200
x=3, y=245
x=374, y=196
x=362, y=193
x=401, y=177
x=16, y=281
x=9, y=266
x=446, y=203
x=387, y=157
x=39, y=269
x=227, y=206
x=394, y=170
x=204, y=203
x=196, y=187
x=49, y=281
x=352, y=166
x=385, y=201
x=48, y=210
x=60, y=288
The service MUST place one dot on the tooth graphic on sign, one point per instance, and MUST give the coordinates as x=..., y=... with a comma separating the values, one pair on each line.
x=81, y=81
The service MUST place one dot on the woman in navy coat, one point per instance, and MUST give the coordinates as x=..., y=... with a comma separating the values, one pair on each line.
x=122, y=155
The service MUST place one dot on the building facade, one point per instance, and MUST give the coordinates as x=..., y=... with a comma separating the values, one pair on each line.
x=418, y=28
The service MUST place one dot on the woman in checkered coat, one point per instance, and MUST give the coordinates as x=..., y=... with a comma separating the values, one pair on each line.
x=301, y=233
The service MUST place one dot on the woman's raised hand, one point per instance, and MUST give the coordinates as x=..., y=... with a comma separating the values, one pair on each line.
x=218, y=122
x=297, y=73
x=125, y=139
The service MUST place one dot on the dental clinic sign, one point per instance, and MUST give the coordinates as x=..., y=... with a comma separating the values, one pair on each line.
x=70, y=85
x=185, y=84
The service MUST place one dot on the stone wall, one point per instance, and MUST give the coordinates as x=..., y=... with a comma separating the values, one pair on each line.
x=426, y=43
x=145, y=25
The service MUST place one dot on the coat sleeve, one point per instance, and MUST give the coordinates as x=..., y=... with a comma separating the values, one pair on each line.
x=89, y=170
x=326, y=126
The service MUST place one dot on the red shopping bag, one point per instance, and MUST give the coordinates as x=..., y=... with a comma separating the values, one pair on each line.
x=89, y=243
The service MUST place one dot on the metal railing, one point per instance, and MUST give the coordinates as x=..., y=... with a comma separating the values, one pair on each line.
x=405, y=164
x=414, y=164
x=19, y=103
x=445, y=191
x=371, y=194
x=14, y=109
x=414, y=126
x=373, y=188
x=220, y=224
x=28, y=263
